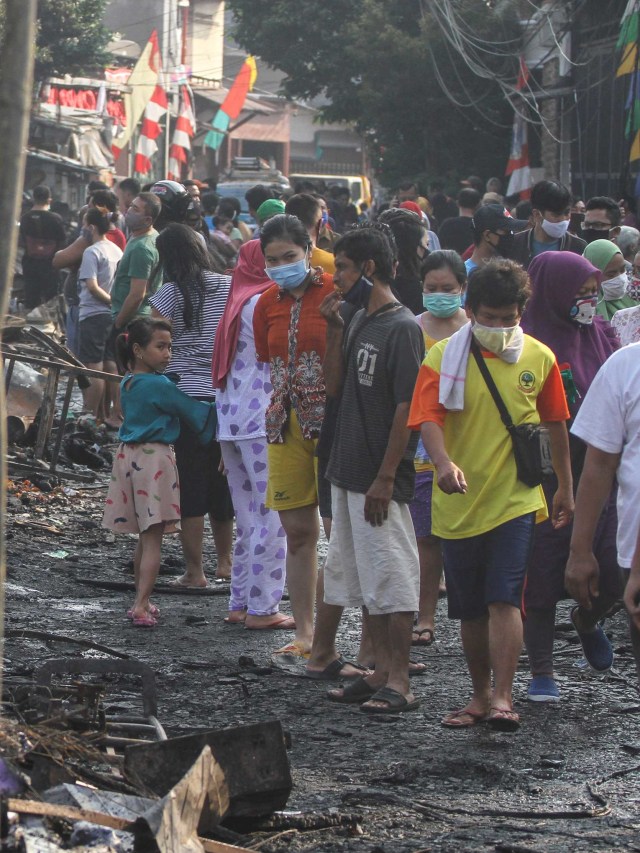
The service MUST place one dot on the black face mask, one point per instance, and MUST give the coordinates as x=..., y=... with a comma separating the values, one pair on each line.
x=591, y=234
x=505, y=245
x=359, y=293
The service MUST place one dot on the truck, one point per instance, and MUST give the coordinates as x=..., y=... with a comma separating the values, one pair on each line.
x=245, y=173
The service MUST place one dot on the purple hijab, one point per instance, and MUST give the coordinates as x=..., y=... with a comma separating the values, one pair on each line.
x=556, y=277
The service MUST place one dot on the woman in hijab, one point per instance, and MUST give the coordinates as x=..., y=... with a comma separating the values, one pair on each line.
x=608, y=258
x=258, y=569
x=562, y=314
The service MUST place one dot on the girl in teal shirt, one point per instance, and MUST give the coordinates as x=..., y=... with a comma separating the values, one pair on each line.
x=144, y=493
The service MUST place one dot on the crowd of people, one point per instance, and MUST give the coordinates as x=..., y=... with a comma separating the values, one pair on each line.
x=442, y=384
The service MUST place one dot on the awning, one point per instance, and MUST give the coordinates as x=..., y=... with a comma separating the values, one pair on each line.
x=67, y=162
x=273, y=128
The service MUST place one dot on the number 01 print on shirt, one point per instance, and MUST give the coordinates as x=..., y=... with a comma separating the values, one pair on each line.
x=366, y=362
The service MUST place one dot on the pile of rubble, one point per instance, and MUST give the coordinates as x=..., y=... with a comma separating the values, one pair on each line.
x=79, y=767
x=45, y=437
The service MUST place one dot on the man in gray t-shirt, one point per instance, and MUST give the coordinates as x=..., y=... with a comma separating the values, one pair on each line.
x=373, y=557
x=99, y=264
x=380, y=351
x=95, y=280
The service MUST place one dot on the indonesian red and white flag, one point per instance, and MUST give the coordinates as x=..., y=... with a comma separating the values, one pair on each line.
x=142, y=80
x=150, y=130
x=182, y=135
x=518, y=165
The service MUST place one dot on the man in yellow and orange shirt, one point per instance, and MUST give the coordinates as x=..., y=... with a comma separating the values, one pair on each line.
x=483, y=513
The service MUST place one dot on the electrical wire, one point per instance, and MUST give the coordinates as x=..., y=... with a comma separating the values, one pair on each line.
x=459, y=38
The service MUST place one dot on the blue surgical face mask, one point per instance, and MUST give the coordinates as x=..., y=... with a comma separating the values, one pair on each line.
x=441, y=304
x=289, y=276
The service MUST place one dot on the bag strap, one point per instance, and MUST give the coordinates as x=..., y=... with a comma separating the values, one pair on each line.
x=505, y=417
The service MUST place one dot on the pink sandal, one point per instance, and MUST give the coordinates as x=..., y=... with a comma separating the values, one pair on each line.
x=153, y=611
x=146, y=621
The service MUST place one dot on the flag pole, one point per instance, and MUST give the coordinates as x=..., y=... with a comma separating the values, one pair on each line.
x=166, y=56
x=167, y=131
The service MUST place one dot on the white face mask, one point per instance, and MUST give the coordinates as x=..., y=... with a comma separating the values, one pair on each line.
x=556, y=230
x=615, y=288
x=504, y=341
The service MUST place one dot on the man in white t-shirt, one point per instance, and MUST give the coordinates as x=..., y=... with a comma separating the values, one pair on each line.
x=609, y=423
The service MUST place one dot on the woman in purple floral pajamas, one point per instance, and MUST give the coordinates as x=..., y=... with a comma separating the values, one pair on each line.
x=258, y=570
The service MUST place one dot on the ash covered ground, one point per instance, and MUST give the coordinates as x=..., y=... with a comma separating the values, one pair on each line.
x=568, y=780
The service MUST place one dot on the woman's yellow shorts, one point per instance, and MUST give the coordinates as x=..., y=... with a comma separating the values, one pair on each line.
x=293, y=470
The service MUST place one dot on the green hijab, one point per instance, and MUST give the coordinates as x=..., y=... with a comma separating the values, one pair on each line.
x=600, y=252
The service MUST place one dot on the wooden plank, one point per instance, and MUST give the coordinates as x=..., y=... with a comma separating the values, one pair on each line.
x=47, y=412
x=201, y=798
x=33, y=807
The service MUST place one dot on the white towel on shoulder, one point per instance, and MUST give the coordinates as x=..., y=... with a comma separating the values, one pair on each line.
x=453, y=370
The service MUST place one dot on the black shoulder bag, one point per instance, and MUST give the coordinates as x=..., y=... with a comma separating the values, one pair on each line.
x=531, y=444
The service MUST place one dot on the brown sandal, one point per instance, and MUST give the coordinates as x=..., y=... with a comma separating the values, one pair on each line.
x=456, y=719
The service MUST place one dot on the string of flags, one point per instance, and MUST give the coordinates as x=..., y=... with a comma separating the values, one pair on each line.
x=148, y=100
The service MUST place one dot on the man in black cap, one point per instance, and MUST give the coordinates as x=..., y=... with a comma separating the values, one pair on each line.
x=492, y=236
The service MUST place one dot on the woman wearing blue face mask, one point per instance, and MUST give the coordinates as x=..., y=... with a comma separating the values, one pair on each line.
x=444, y=280
x=290, y=335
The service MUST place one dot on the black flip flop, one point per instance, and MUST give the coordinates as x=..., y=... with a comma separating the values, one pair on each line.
x=354, y=692
x=332, y=671
x=503, y=720
x=396, y=702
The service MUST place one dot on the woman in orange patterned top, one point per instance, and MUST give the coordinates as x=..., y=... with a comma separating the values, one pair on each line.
x=290, y=335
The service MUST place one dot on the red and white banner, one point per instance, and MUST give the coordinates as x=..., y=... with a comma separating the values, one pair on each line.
x=143, y=81
x=150, y=130
x=182, y=136
x=518, y=165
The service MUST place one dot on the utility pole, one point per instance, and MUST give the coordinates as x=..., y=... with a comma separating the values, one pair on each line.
x=168, y=62
x=16, y=87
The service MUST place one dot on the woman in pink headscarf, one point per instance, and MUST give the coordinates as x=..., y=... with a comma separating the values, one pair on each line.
x=258, y=570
